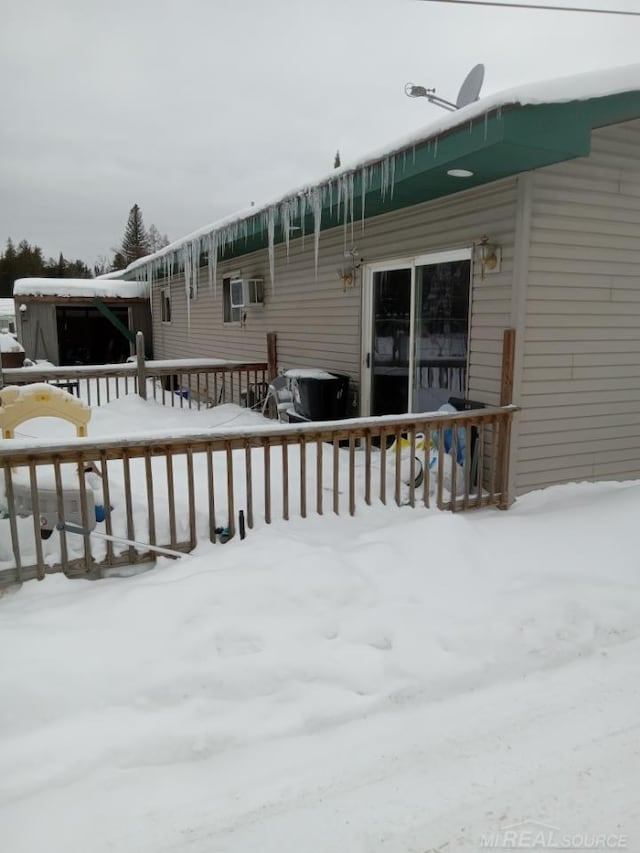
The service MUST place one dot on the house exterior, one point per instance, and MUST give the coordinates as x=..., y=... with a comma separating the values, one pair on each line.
x=81, y=321
x=520, y=211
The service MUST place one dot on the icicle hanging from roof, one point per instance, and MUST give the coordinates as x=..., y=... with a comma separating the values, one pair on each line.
x=345, y=208
x=209, y=261
x=195, y=267
x=364, y=181
x=213, y=261
x=147, y=276
x=393, y=175
x=337, y=193
x=302, y=206
x=271, y=229
x=186, y=263
x=384, y=178
x=316, y=207
x=285, y=215
x=350, y=193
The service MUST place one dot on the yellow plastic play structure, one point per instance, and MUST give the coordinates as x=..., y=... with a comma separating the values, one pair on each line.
x=39, y=400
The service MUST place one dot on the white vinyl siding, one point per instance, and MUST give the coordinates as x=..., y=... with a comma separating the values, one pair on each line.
x=318, y=321
x=580, y=389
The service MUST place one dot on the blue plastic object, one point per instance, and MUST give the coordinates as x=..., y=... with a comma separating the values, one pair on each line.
x=100, y=513
x=448, y=437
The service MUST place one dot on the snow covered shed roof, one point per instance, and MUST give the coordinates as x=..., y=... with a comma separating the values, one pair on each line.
x=80, y=288
x=516, y=130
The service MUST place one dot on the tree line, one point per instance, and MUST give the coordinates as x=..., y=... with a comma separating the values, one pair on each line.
x=27, y=261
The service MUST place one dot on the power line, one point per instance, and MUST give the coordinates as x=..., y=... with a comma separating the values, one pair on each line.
x=532, y=6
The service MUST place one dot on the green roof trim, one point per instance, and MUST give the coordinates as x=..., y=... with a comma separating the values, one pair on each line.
x=493, y=147
x=504, y=142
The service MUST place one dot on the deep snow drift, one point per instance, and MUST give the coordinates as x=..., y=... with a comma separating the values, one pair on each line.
x=401, y=681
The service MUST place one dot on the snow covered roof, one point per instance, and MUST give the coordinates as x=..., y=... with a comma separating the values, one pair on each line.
x=339, y=184
x=80, y=287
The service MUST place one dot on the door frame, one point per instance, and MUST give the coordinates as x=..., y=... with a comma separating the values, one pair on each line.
x=411, y=262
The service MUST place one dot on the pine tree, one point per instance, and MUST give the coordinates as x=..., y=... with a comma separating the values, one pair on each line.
x=135, y=243
x=119, y=261
x=29, y=261
x=8, y=269
x=336, y=161
x=76, y=269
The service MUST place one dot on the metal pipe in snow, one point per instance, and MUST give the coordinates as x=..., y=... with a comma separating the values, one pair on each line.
x=81, y=531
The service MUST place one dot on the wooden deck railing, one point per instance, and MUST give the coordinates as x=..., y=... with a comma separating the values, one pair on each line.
x=173, y=491
x=185, y=383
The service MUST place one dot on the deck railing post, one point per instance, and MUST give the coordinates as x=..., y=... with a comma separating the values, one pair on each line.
x=272, y=356
x=142, y=379
x=506, y=399
x=504, y=451
x=508, y=355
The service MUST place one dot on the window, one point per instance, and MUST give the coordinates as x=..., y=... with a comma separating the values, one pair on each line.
x=239, y=294
x=236, y=287
x=255, y=291
x=230, y=314
x=165, y=305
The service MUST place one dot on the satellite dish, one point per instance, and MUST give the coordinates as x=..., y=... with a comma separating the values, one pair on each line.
x=470, y=89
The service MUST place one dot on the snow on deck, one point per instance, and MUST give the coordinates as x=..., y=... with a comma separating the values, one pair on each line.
x=404, y=680
x=400, y=681
x=80, y=287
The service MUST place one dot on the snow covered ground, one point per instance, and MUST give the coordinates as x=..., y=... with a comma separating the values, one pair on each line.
x=401, y=681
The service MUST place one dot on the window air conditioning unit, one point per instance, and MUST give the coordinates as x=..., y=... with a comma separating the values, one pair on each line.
x=247, y=291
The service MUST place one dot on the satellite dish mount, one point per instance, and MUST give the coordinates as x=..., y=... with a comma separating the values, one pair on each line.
x=469, y=91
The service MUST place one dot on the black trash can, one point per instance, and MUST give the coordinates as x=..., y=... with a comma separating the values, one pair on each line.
x=324, y=397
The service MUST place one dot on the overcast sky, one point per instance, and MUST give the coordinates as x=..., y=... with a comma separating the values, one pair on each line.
x=193, y=109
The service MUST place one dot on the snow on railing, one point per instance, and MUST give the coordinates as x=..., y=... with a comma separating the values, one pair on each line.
x=187, y=383
x=85, y=506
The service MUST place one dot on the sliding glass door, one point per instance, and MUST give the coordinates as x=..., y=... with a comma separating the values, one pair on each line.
x=416, y=333
x=391, y=341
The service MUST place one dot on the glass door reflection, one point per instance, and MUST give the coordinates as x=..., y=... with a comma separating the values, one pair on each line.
x=391, y=345
x=440, y=334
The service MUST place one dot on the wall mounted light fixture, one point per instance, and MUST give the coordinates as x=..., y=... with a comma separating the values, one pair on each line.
x=348, y=274
x=489, y=255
